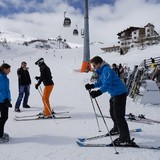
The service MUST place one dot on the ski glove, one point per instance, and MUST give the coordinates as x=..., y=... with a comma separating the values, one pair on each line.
x=95, y=94
x=89, y=86
x=7, y=103
x=37, y=78
x=36, y=86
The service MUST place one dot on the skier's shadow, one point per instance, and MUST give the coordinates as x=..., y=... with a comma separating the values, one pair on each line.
x=151, y=139
x=43, y=139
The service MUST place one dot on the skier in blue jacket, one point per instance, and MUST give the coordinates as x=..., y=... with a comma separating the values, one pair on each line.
x=110, y=82
x=5, y=99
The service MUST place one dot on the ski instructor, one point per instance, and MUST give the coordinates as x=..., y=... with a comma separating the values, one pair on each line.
x=46, y=78
x=110, y=82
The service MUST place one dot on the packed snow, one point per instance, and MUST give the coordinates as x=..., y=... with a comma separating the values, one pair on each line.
x=55, y=139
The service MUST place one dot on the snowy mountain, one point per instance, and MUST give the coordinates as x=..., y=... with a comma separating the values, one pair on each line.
x=13, y=37
x=55, y=139
x=7, y=39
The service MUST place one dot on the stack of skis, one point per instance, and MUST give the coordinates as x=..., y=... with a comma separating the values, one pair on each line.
x=55, y=115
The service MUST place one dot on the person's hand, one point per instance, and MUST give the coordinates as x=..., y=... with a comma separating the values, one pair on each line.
x=7, y=103
x=95, y=94
x=36, y=86
x=89, y=86
x=37, y=78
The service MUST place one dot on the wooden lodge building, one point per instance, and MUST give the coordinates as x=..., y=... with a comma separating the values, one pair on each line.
x=135, y=37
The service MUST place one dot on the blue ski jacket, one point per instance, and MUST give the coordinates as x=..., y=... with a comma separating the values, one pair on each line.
x=4, y=88
x=109, y=81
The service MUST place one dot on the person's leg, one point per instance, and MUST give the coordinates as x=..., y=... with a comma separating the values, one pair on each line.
x=112, y=115
x=119, y=104
x=26, y=97
x=20, y=96
x=3, y=118
x=46, y=94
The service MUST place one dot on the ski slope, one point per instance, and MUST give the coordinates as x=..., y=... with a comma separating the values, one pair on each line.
x=56, y=139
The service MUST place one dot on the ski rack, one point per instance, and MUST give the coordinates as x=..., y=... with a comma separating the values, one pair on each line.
x=139, y=78
x=135, y=81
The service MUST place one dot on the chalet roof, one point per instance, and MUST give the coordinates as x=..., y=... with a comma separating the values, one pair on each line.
x=149, y=25
x=113, y=47
x=156, y=33
x=128, y=30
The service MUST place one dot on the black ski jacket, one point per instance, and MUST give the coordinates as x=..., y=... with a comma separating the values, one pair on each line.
x=45, y=75
x=23, y=77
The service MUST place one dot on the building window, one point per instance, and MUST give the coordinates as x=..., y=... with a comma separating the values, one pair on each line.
x=135, y=37
x=122, y=44
x=135, y=32
x=148, y=35
x=148, y=30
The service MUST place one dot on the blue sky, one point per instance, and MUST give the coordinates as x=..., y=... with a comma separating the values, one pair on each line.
x=9, y=7
x=44, y=18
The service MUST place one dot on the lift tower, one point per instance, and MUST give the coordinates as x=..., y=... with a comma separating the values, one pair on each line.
x=86, y=67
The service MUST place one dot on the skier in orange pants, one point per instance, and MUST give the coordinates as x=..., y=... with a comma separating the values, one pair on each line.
x=45, y=98
x=46, y=78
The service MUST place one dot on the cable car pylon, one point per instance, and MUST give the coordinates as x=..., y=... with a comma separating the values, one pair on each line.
x=86, y=66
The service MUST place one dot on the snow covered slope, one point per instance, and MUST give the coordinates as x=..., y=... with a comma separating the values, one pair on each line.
x=55, y=139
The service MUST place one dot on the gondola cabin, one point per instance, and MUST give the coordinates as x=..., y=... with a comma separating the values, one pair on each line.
x=82, y=32
x=75, y=32
x=67, y=22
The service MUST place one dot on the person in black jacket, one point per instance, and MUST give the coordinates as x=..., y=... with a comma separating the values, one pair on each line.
x=46, y=78
x=24, y=82
x=115, y=68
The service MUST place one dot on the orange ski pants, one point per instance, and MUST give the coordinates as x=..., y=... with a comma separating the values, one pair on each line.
x=45, y=98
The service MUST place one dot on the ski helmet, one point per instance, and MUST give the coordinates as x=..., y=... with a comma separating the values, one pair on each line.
x=39, y=61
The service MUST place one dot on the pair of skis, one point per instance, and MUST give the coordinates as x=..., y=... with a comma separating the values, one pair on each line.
x=142, y=118
x=105, y=135
x=138, y=119
x=55, y=115
x=83, y=142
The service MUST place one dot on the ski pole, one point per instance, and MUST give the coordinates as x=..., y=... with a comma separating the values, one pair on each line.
x=94, y=111
x=40, y=92
x=40, y=89
x=116, y=152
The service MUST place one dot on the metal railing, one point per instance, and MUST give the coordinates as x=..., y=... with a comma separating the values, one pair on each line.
x=148, y=62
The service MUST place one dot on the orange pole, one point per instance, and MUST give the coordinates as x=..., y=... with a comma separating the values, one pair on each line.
x=86, y=67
